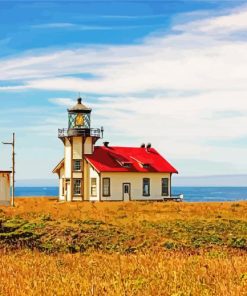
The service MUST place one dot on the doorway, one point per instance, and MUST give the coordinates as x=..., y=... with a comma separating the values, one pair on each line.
x=126, y=191
x=67, y=192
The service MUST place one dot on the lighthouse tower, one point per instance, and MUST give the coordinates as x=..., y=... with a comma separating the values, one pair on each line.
x=78, y=139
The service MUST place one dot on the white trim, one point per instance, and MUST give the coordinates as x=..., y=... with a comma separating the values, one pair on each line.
x=92, y=165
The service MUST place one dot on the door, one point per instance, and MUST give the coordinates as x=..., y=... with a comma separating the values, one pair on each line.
x=126, y=191
x=67, y=192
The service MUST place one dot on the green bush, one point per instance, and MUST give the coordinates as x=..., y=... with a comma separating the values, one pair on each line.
x=238, y=242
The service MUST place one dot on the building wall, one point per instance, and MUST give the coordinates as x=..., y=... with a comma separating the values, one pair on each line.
x=67, y=158
x=4, y=188
x=77, y=175
x=136, y=184
x=68, y=190
x=86, y=180
x=116, y=185
x=88, y=146
x=93, y=174
x=77, y=148
x=61, y=184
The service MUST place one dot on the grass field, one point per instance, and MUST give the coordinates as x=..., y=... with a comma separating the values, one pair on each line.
x=135, y=248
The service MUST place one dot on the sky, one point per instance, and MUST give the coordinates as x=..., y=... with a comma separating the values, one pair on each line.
x=172, y=73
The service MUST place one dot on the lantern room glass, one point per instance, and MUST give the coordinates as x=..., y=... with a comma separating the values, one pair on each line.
x=79, y=120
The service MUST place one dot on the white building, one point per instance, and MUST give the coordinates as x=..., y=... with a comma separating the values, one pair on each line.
x=106, y=173
x=5, y=187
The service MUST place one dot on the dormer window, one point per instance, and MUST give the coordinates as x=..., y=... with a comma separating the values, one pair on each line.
x=145, y=165
x=142, y=163
x=126, y=165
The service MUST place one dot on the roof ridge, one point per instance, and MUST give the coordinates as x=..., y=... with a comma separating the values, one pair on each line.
x=133, y=147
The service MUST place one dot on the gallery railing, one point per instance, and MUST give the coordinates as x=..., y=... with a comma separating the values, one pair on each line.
x=85, y=132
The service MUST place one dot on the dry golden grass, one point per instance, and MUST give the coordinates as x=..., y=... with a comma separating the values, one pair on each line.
x=135, y=211
x=131, y=248
x=27, y=273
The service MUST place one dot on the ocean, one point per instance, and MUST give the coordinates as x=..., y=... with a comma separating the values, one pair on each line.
x=191, y=194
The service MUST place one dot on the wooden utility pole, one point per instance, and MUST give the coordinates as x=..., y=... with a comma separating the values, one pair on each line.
x=13, y=172
x=13, y=169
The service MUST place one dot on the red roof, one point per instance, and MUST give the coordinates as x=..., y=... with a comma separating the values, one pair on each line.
x=128, y=159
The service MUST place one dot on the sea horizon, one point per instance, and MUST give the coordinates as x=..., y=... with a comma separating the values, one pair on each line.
x=191, y=193
x=228, y=180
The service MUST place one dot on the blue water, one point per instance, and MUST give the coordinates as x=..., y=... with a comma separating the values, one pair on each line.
x=212, y=193
x=36, y=191
x=190, y=193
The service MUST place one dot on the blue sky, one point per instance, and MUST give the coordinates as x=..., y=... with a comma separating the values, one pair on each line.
x=172, y=73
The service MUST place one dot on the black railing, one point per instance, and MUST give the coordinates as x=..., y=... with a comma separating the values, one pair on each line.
x=86, y=132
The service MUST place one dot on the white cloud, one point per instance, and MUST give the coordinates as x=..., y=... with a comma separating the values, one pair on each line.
x=171, y=89
x=188, y=122
x=188, y=61
x=235, y=21
x=67, y=102
x=82, y=27
x=53, y=25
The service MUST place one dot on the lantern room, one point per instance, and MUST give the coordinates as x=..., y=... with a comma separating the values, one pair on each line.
x=79, y=116
x=79, y=123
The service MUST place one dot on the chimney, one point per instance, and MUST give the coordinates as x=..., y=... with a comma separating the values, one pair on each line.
x=79, y=101
x=149, y=145
x=106, y=144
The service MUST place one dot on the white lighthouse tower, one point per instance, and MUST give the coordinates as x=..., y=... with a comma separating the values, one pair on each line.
x=79, y=139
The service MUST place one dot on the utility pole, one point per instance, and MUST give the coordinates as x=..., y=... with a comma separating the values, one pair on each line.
x=13, y=168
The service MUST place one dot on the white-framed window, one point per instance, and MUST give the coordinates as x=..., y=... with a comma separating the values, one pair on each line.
x=146, y=187
x=77, y=165
x=164, y=186
x=77, y=187
x=93, y=186
x=106, y=187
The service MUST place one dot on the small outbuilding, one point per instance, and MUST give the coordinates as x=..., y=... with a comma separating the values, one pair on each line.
x=5, y=187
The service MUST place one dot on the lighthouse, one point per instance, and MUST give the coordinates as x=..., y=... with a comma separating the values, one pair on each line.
x=79, y=140
x=108, y=173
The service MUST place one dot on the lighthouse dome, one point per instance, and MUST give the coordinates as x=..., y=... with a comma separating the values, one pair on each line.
x=79, y=107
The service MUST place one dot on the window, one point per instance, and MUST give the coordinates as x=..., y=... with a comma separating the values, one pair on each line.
x=93, y=187
x=77, y=186
x=145, y=165
x=126, y=165
x=164, y=187
x=146, y=187
x=126, y=188
x=77, y=165
x=106, y=187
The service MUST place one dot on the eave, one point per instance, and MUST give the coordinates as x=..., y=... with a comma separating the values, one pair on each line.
x=58, y=166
